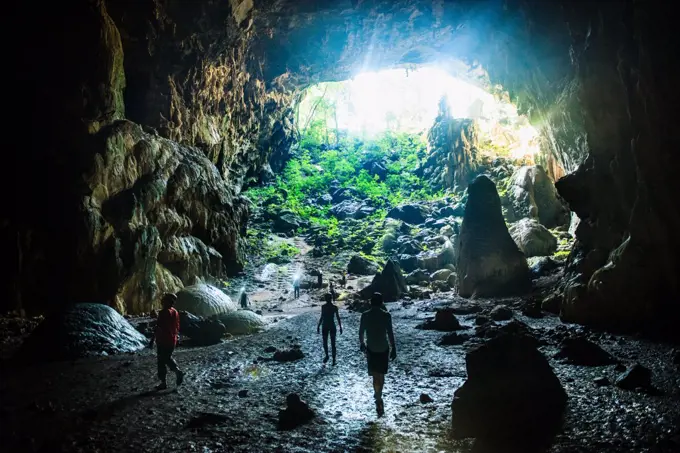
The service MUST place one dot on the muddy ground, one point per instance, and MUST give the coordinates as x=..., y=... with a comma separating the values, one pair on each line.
x=108, y=405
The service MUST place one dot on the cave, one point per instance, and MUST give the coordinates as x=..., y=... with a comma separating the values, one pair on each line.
x=159, y=147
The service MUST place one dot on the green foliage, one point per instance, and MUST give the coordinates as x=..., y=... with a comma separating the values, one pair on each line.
x=561, y=255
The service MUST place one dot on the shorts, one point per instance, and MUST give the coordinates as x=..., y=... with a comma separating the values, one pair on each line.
x=377, y=362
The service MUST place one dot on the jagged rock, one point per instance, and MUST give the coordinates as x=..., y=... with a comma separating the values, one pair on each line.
x=340, y=195
x=581, y=351
x=82, y=330
x=425, y=398
x=360, y=265
x=390, y=283
x=511, y=393
x=288, y=355
x=190, y=259
x=411, y=213
x=204, y=300
x=501, y=313
x=533, y=195
x=453, y=339
x=635, y=377
x=350, y=209
x=489, y=262
x=441, y=275
x=202, y=331
x=296, y=413
x=433, y=261
x=532, y=238
x=444, y=321
x=242, y=322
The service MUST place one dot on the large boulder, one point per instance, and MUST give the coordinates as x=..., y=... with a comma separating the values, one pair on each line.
x=204, y=300
x=410, y=213
x=390, y=283
x=201, y=331
x=286, y=222
x=532, y=194
x=511, y=394
x=242, y=322
x=82, y=330
x=360, y=265
x=489, y=262
x=532, y=238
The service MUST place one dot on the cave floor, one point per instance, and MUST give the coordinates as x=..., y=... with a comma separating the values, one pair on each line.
x=107, y=404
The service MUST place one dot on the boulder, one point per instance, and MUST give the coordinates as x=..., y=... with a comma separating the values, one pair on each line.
x=286, y=222
x=447, y=230
x=444, y=321
x=408, y=263
x=532, y=238
x=501, y=313
x=543, y=266
x=441, y=275
x=581, y=351
x=360, y=265
x=242, y=322
x=411, y=213
x=635, y=377
x=339, y=195
x=532, y=194
x=489, y=262
x=452, y=211
x=325, y=199
x=201, y=331
x=289, y=355
x=82, y=330
x=416, y=277
x=296, y=413
x=453, y=339
x=511, y=394
x=350, y=209
x=375, y=168
x=390, y=283
x=204, y=300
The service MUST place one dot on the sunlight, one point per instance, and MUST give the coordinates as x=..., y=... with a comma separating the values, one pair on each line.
x=404, y=100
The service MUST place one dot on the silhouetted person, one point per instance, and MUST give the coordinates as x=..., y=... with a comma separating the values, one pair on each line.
x=376, y=325
x=343, y=280
x=331, y=290
x=244, y=300
x=167, y=329
x=319, y=279
x=296, y=287
x=328, y=314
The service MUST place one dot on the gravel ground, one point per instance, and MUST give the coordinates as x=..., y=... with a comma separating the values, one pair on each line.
x=108, y=405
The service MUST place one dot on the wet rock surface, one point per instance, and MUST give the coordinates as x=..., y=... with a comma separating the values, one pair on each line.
x=82, y=330
x=106, y=404
x=242, y=322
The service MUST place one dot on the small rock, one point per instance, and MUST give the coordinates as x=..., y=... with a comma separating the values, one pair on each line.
x=425, y=398
x=269, y=349
x=601, y=381
x=501, y=313
x=242, y=393
x=295, y=414
x=289, y=355
x=441, y=275
x=636, y=376
x=444, y=321
x=453, y=339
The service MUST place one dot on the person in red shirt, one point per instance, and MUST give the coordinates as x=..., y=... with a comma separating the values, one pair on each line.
x=167, y=329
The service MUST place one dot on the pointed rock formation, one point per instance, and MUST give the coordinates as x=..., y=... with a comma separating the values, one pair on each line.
x=489, y=262
x=390, y=283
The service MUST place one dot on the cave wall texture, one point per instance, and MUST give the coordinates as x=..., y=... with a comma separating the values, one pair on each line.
x=213, y=83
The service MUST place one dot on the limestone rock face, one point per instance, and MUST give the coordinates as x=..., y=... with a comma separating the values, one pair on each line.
x=82, y=330
x=452, y=151
x=489, y=262
x=533, y=195
x=204, y=300
x=158, y=216
x=532, y=238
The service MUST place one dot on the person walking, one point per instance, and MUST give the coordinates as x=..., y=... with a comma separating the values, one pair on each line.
x=296, y=286
x=376, y=327
x=165, y=335
x=329, y=312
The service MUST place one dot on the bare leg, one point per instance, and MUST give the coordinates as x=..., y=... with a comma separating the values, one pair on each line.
x=378, y=383
x=326, y=332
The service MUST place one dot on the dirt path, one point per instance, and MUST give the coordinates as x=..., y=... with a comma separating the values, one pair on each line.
x=105, y=404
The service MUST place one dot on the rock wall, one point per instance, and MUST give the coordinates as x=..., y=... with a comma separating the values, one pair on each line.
x=452, y=159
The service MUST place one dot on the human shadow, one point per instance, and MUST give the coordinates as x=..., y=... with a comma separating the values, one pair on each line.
x=106, y=410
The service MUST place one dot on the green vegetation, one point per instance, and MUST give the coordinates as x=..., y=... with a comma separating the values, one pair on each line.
x=272, y=251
